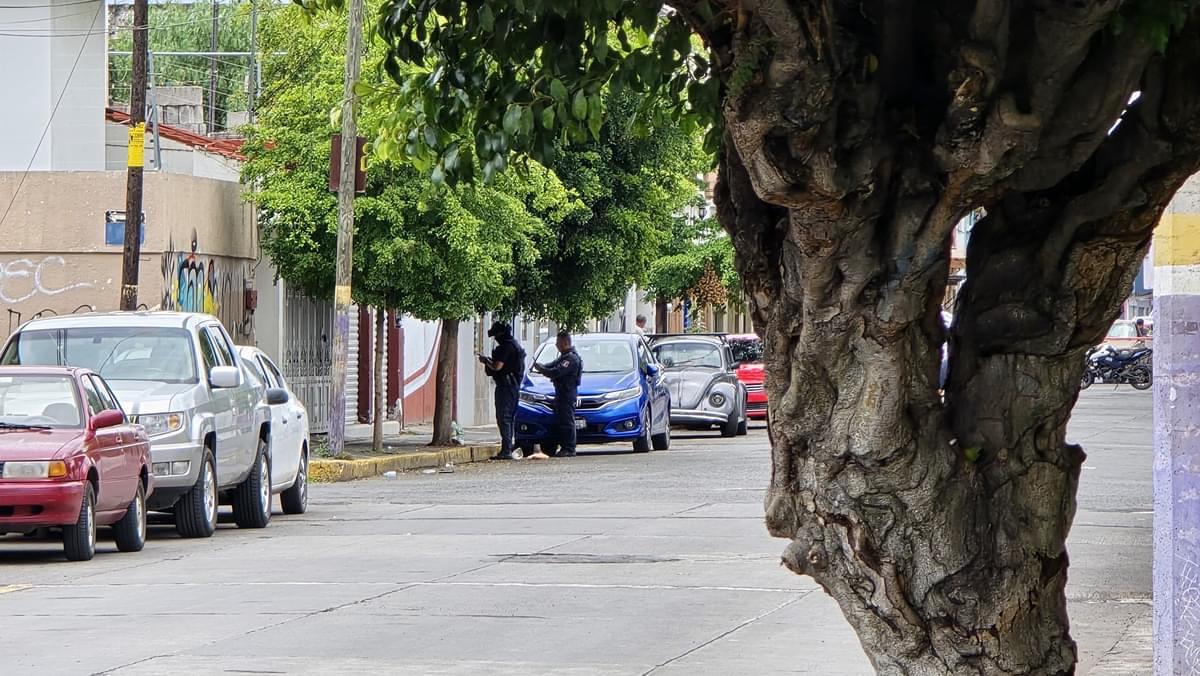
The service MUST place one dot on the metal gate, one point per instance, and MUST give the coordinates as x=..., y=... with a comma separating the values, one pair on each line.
x=307, y=325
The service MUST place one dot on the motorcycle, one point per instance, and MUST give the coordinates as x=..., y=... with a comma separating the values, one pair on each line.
x=1111, y=366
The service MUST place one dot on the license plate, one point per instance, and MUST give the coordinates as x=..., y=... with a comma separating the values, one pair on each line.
x=580, y=424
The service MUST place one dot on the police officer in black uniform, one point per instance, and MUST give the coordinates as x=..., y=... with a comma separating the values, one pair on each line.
x=565, y=372
x=505, y=368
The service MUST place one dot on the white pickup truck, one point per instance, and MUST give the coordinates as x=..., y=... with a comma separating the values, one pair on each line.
x=179, y=376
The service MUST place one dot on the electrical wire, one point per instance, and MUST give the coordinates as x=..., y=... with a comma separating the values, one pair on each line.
x=41, y=19
x=162, y=81
x=163, y=57
x=46, y=129
x=49, y=33
x=50, y=6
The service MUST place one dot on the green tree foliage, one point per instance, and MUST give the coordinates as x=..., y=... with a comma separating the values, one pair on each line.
x=693, y=247
x=435, y=256
x=184, y=28
x=633, y=186
x=565, y=239
x=478, y=76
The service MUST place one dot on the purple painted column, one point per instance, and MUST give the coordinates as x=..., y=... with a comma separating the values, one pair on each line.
x=1177, y=437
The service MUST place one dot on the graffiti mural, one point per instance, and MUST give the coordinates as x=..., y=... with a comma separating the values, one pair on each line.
x=23, y=278
x=214, y=285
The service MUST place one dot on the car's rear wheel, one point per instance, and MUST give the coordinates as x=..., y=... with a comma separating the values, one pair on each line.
x=295, y=499
x=79, y=539
x=662, y=441
x=130, y=531
x=252, y=497
x=643, y=443
x=196, y=511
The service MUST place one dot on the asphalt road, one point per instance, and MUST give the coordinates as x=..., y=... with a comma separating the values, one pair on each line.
x=610, y=563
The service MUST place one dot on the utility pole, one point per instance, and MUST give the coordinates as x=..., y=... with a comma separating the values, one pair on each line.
x=252, y=92
x=212, y=69
x=132, y=254
x=345, y=234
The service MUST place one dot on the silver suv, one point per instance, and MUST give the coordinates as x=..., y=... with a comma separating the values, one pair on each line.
x=180, y=377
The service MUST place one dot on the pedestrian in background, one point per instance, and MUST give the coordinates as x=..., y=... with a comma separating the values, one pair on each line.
x=640, y=327
x=506, y=366
x=565, y=372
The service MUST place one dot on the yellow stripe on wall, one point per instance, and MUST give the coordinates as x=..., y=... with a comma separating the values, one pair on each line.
x=1177, y=240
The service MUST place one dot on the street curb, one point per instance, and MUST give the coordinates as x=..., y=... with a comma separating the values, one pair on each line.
x=333, y=471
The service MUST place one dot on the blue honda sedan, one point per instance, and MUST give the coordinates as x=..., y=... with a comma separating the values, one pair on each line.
x=622, y=396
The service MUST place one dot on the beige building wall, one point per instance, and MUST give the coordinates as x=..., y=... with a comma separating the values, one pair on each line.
x=199, y=252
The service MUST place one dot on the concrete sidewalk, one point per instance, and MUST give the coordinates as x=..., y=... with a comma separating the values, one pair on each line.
x=416, y=434
x=404, y=450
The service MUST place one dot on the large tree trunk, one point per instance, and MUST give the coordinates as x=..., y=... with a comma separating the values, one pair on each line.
x=938, y=526
x=443, y=392
x=380, y=406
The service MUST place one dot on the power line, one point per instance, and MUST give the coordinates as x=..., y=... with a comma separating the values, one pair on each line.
x=41, y=19
x=46, y=129
x=57, y=4
x=48, y=33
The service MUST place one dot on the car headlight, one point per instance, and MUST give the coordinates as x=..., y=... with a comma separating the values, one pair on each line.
x=161, y=423
x=50, y=469
x=717, y=400
x=535, y=398
x=621, y=395
x=177, y=468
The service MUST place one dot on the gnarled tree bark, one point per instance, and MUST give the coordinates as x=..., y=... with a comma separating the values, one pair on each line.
x=939, y=526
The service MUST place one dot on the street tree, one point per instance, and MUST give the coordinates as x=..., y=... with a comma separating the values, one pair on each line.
x=628, y=185
x=852, y=137
x=440, y=256
x=696, y=263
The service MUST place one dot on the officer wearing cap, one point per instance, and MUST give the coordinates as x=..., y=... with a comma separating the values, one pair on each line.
x=565, y=372
x=506, y=367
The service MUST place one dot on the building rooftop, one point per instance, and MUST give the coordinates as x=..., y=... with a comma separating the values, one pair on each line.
x=230, y=148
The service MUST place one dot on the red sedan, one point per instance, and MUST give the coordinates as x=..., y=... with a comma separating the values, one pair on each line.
x=748, y=353
x=70, y=459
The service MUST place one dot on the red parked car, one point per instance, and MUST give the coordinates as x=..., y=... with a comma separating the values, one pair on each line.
x=748, y=352
x=70, y=459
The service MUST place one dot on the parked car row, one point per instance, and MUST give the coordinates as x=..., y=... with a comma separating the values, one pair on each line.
x=163, y=397
x=635, y=389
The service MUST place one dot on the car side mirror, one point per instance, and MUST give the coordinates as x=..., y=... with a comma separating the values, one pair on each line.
x=277, y=395
x=652, y=370
x=106, y=419
x=225, y=377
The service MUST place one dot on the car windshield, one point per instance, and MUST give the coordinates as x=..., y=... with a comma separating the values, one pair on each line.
x=128, y=353
x=41, y=401
x=682, y=354
x=1123, y=330
x=746, y=350
x=599, y=356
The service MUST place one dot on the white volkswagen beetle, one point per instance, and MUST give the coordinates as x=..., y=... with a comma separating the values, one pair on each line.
x=289, y=431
